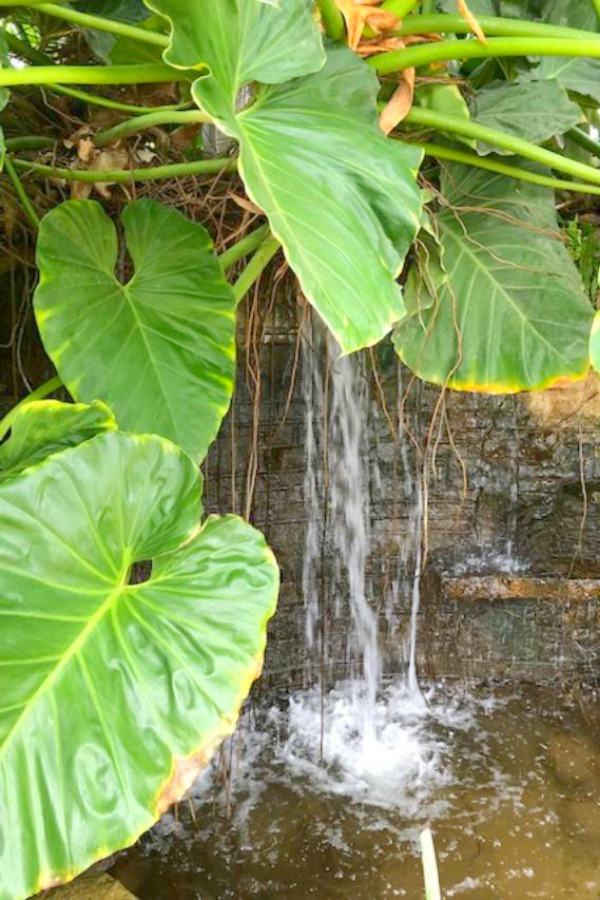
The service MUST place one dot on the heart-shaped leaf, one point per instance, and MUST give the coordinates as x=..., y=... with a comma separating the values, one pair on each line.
x=341, y=198
x=45, y=427
x=159, y=348
x=114, y=694
x=510, y=313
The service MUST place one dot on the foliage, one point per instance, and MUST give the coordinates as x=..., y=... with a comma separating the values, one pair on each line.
x=535, y=111
x=509, y=312
x=45, y=427
x=118, y=689
x=115, y=694
x=158, y=347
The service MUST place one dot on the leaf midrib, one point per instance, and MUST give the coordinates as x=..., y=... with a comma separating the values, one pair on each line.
x=126, y=293
x=464, y=249
x=71, y=652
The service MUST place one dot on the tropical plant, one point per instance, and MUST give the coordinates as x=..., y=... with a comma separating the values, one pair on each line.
x=118, y=682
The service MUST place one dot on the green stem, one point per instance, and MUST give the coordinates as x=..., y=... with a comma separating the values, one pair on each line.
x=125, y=176
x=31, y=142
x=26, y=51
x=51, y=75
x=580, y=137
x=400, y=8
x=42, y=391
x=243, y=247
x=109, y=103
x=85, y=20
x=255, y=267
x=468, y=128
x=143, y=123
x=492, y=26
x=21, y=193
x=332, y=19
x=596, y=5
x=425, y=54
x=491, y=165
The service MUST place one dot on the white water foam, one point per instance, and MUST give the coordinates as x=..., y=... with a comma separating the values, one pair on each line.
x=400, y=765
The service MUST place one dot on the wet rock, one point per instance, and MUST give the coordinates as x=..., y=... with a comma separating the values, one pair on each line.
x=93, y=885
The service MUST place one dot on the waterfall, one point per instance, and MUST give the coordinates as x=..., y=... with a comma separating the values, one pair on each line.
x=340, y=476
x=350, y=521
x=314, y=448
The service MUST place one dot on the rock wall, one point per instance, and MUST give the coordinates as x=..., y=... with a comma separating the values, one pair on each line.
x=512, y=488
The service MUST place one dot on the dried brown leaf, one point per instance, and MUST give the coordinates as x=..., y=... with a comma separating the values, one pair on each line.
x=358, y=14
x=399, y=104
x=380, y=45
x=85, y=149
x=244, y=203
x=471, y=21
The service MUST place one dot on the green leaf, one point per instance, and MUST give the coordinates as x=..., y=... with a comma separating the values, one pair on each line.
x=114, y=694
x=160, y=348
x=446, y=99
x=511, y=314
x=340, y=197
x=103, y=44
x=44, y=427
x=248, y=40
x=122, y=10
x=534, y=111
x=580, y=75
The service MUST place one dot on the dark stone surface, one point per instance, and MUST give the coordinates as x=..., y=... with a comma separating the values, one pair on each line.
x=531, y=466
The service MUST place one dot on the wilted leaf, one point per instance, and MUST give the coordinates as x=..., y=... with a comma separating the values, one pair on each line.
x=399, y=105
x=471, y=21
x=358, y=14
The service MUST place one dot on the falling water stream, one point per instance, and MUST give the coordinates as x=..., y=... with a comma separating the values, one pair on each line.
x=326, y=792
x=359, y=727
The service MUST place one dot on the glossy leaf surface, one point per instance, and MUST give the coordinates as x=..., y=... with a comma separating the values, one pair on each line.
x=114, y=695
x=158, y=347
x=507, y=312
x=340, y=197
x=45, y=427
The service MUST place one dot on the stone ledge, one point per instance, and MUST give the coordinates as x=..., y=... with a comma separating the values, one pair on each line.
x=519, y=587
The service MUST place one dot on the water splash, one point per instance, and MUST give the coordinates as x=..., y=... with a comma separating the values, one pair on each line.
x=341, y=476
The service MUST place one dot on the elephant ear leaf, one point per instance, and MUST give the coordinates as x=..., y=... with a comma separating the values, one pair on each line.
x=341, y=198
x=45, y=427
x=158, y=347
x=507, y=311
x=115, y=693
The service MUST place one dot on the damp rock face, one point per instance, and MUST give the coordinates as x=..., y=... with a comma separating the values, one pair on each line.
x=93, y=885
x=512, y=491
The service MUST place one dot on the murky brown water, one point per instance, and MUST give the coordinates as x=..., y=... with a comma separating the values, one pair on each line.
x=516, y=814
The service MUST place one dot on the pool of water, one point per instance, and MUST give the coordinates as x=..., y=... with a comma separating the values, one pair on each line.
x=304, y=805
